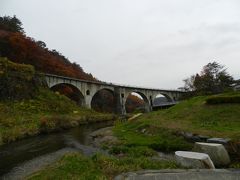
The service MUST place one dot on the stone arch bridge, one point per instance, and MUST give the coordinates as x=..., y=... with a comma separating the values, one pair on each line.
x=88, y=89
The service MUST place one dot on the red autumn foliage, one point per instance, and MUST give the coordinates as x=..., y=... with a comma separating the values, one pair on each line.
x=133, y=103
x=22, y=49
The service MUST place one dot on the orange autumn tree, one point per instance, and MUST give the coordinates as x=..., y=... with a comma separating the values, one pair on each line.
x=17, y=47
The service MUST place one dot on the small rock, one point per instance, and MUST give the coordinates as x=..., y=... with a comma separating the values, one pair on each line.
x=216, y=152
x=194, y=160
x=74, y=123
x=195, y=138
x=75, y=112
x=120, y=155
x=188, y=135
x=143, y=130
x=108, y=139
x=163, y=156
x=181, y=133
x=219, y=140
x=102, y=132
x=203, y=138
x=191, y=137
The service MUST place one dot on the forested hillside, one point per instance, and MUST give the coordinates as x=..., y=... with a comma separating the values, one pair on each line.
x=16, y=46
x=19, y=48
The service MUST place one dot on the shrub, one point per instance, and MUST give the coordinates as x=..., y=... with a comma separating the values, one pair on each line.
x=56, y=123
x=17, y=81
x=223, y=99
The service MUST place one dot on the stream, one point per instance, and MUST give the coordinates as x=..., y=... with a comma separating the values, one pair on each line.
x=23, y=151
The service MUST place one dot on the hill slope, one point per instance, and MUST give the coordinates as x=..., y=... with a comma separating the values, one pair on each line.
x=195, y=116
x=19, y=48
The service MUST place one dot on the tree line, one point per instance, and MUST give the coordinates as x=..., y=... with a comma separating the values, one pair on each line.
x=213, y=79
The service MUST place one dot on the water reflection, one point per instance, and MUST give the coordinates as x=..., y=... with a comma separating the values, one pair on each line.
x=18, y=152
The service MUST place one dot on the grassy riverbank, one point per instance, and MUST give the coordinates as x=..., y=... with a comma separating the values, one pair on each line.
x=77, y=166
x=47, y=112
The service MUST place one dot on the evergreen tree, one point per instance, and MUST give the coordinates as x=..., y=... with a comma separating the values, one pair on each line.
x=12, y=24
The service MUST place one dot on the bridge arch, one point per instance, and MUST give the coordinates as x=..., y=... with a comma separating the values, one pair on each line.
x=145, y=107
x=162, y=97
x=71, y=91
x=103, y=100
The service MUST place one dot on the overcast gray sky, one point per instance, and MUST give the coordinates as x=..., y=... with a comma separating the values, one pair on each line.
x=152, y=43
